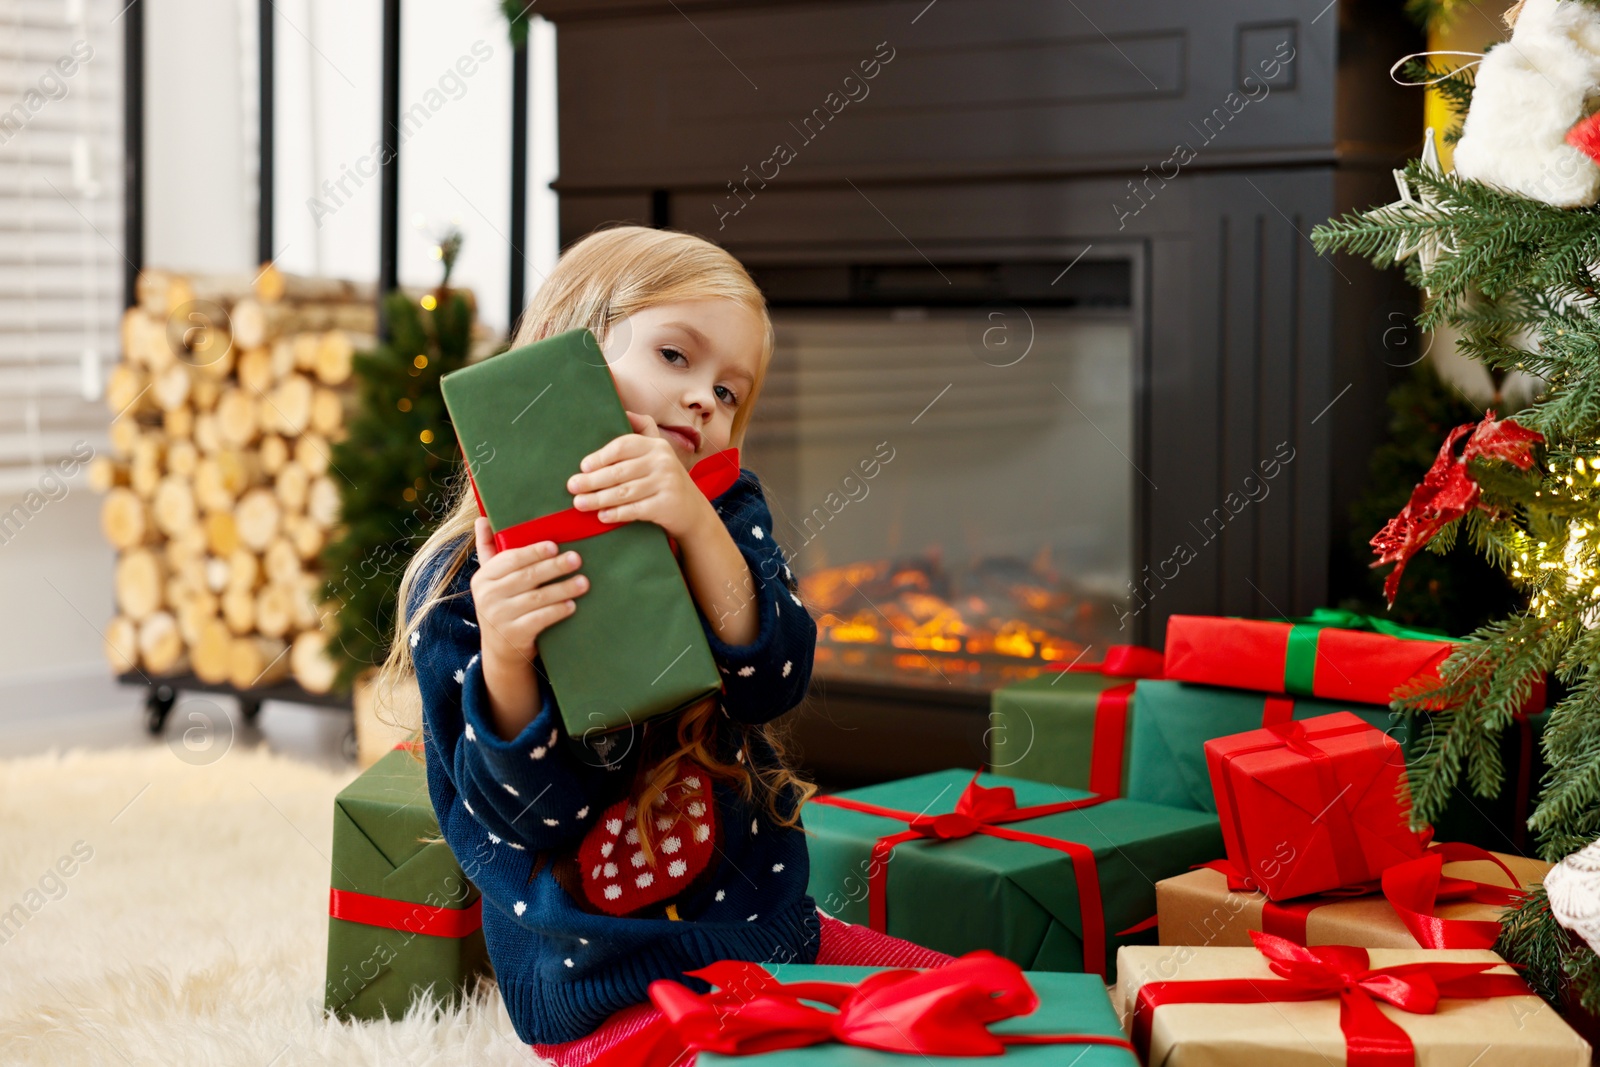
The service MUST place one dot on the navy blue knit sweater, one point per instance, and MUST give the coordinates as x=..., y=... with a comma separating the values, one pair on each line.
x=562, y=965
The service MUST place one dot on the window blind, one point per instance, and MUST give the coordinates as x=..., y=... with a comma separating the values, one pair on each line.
x=60, y=232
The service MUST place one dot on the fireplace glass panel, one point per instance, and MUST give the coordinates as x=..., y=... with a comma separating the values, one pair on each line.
x=953, y=486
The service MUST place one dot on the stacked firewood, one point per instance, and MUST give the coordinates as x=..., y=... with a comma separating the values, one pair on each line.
x=218, y=493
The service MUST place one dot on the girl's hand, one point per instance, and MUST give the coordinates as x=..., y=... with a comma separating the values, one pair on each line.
x=638, y=476
x=520, y=593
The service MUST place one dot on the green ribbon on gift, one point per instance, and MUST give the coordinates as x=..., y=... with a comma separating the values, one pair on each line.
x=1300, y=659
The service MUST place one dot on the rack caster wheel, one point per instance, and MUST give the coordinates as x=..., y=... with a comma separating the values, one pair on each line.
x=157, y=705
x=348, y=745
x=250, y=710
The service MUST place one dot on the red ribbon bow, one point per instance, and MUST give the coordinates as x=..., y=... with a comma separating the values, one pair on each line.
x=945, y=1011
x=1414, y=889
x=1448, y=491
x=979, y=811
x=1111, y=710
x=1372, y=1039
x=713, y=476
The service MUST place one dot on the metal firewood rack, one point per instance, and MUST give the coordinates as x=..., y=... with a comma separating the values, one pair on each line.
x=162, y=693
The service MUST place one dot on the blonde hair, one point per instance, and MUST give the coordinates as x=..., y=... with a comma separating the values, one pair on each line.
x=599, y=281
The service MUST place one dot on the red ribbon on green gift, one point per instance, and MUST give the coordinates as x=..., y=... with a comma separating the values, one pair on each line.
x=981, y=810
x=943, y=1011
x=713, y=476
x=1111, y=710
x=1372, y=1039
x=1414, y=889
x=404, y=915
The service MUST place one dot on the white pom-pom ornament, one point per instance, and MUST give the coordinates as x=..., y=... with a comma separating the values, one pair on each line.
x=1573, y=886
x=1527, y=95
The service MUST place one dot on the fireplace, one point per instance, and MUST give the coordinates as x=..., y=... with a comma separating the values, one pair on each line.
x=943, y=446
x=1022, y=362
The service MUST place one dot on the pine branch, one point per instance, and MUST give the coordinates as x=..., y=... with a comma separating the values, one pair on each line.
x=1453, y=83
x=1558, y=965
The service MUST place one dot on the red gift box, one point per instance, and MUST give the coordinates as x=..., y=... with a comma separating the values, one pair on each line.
x=1324, y=655
x=1312, y=805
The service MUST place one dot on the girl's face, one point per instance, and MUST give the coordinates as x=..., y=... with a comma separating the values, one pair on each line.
x=690, y=366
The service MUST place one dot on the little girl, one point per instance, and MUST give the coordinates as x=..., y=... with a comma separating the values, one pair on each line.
x=684, y=845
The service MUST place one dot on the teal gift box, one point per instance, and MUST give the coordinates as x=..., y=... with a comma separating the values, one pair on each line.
x=1166, y=745
x=1167, y=761
x=1068, y=1004
x=1031, y=901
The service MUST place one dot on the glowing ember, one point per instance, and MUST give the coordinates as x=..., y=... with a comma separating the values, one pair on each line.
x=914, y=621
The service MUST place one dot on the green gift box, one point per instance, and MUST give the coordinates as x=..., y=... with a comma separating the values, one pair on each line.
x=1032, y=901
x=635, y=647
x=1061, y=727
x=402, y=914
x=1167, y=761
x=1068, y=1004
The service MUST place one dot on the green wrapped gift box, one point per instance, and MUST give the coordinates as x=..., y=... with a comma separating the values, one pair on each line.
x=402, y=914
x=1033, y=902
x=1068, y=1004
x=1063, y=727
x=1167, y=761
x=635, y=647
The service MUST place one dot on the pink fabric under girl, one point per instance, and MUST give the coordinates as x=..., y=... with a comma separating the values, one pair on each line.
x=842, y=943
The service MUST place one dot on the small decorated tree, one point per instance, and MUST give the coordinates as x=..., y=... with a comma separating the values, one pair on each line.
x=396, y=466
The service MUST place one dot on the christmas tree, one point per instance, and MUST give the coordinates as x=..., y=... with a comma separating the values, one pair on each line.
x=395, y=467
x=1506, y=250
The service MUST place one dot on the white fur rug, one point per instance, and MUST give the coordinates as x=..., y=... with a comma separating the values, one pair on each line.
x=192, y=928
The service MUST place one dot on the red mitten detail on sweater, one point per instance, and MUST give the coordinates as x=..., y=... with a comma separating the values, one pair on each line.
x=682, y=828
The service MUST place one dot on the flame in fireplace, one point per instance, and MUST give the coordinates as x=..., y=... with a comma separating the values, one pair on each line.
x=997, y=618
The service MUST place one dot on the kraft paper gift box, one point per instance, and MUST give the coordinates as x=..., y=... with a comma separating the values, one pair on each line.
x=1068, y=1004
x=1031, y=902
x=1198, y=908
x=1495, y=1031
x=402, y=914
x=635, y=648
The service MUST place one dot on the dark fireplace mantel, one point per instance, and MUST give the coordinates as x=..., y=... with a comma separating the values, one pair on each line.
x=1158, y=134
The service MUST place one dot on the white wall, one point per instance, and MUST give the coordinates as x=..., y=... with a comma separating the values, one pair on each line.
x=200, y=213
